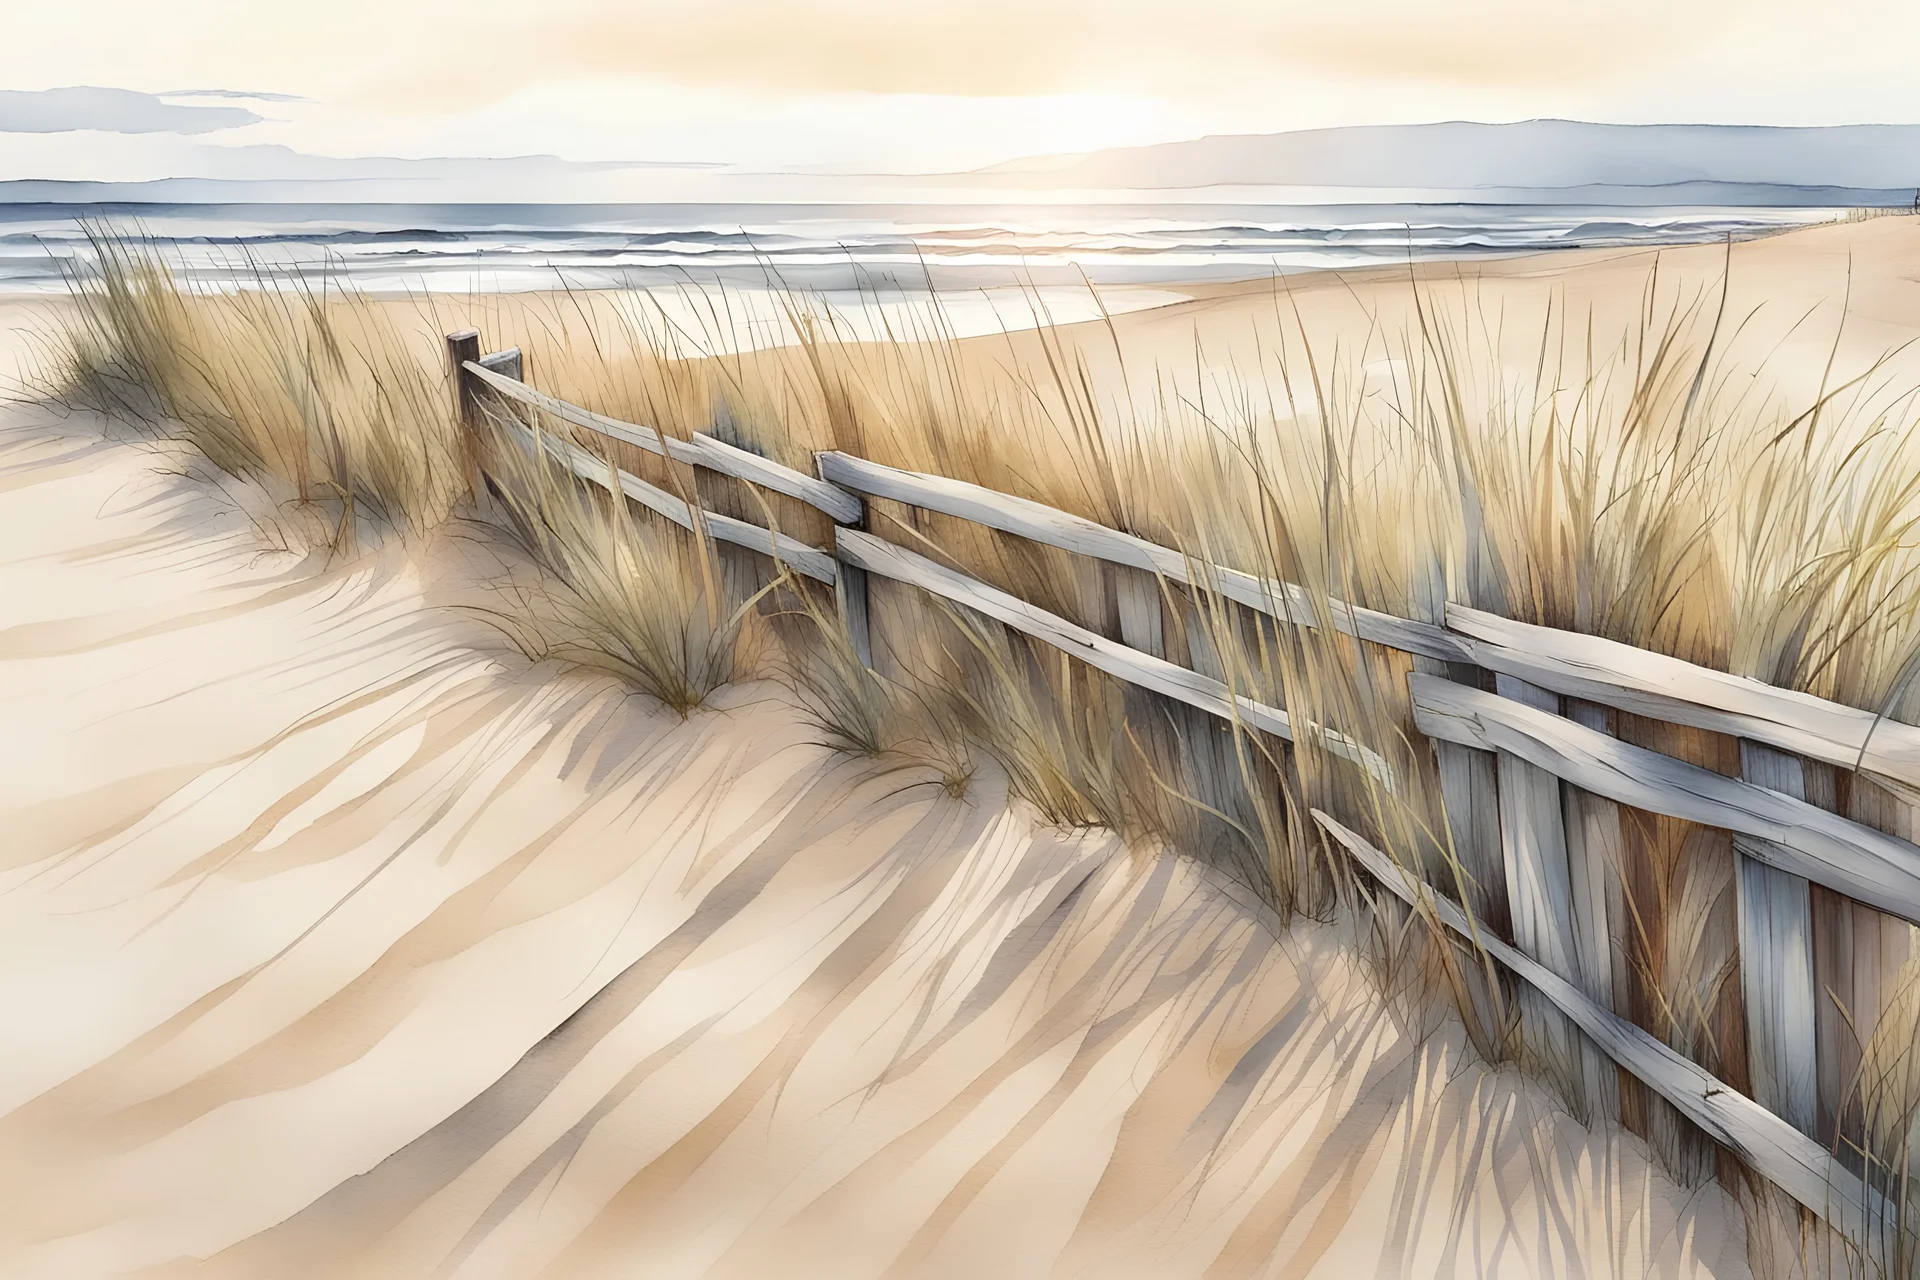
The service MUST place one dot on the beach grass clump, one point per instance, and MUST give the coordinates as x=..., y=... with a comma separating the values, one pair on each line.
x=299, y=380
x=640, y=598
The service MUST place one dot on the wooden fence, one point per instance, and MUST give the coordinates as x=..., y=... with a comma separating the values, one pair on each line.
x=1529, y=771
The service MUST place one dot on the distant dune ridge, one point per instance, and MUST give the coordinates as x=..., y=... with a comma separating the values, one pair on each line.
x=1533, y=159
x=1527, y=162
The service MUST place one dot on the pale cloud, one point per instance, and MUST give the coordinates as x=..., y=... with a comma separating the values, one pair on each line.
x=90, y=108
x=1022, y=47
x=237, y=95
x=913, y=83
x=606, y=118
x=455, y=54
x=1210, y=50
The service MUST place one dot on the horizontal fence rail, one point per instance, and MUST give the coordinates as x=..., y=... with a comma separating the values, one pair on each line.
x=1182, y=684
x=811, y=561
x=1788, y=841
x=1880, y=870
x=1659, y=687
x=1056, y=528
x=701, y=451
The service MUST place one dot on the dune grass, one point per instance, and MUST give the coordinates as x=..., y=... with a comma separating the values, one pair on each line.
x=1643, y=484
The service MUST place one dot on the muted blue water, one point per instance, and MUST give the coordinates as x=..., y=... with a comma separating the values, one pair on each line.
x=827, y=248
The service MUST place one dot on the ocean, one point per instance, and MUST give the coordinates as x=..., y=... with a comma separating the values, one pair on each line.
x=992, y=266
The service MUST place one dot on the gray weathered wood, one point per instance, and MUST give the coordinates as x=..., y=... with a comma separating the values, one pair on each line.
x=1877, y=869
x=1776, y=958
x=1094, y=596
x=1794, y=1162
x=1663, y=688
x=864, y=551
x=508, y=364
x=1858, y=954
x=1594, y=852
x=850, y=593
x=1474, y=868
x=875, y=555
x=1546, y=919
x=1470, y=793
x=1073, y=533
x=1138, y=598
x=463, y=348
x=701, y=451
x=810, y=561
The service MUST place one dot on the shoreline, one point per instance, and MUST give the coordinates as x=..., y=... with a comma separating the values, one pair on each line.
x=1793, y=270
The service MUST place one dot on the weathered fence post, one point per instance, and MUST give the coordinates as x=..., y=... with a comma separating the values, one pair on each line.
x=1776, y=959
x=1547, y=909
x=462, y=347
x=1470, y=805
x=850, y=591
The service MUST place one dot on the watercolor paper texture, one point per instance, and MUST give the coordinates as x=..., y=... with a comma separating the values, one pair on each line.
x=906, y=640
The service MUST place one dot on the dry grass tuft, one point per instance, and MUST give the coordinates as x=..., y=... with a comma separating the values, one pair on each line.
x=643, y=600
x=311, y=385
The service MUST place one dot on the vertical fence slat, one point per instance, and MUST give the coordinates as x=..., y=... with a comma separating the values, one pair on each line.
x=850, y=593
x=1137, y=598
x=1884, y=810
x=1470, y=802
x=1858, y=953
x=1195, y=630
x=1776, y=959
x=1598, y=901
x=1093, y=590
x=1839, y=1058
x=1470, y=791
x=1533, y=841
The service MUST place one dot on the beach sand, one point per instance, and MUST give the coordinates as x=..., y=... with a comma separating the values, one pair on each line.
x=339, y=939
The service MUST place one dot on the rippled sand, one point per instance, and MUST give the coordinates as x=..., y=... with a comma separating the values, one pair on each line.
x=337, y=940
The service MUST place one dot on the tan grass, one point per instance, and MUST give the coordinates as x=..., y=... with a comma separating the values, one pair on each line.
x=1639, y=485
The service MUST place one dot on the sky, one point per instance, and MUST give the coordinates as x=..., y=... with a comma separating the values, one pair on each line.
x=245, y=87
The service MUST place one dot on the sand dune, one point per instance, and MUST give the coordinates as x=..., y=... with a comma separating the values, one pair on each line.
x=337, y=939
